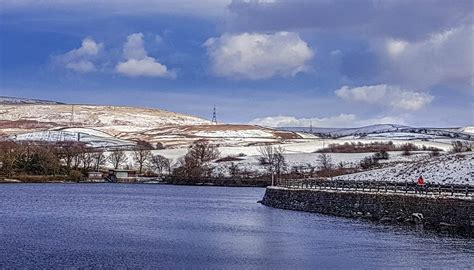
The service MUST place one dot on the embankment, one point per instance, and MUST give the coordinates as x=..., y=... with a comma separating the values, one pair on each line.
x=455, y=215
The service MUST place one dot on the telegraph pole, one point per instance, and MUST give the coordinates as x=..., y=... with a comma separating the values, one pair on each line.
x=72, y=115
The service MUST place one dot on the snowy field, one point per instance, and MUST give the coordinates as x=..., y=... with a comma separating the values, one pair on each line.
x=444, y=169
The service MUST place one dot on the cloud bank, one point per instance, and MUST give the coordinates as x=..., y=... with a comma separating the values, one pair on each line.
x=408, y=19
x=386, y=95
x=258, y=56
x=341, y=120
x=444, y=57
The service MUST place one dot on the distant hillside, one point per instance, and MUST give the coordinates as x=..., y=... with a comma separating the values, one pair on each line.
x=116, y=126
x=112, y=119
x=14, y=100
x=388, y=131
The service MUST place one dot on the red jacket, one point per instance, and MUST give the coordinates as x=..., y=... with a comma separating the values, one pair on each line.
x=421, y=181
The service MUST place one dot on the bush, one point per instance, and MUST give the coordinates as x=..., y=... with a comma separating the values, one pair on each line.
x=434, y=152
x=368, y=162
x=459, y=146
x=75, y=175
x=382, y=154
x=407, y=148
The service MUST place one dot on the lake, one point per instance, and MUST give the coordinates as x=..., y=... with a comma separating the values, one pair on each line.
x=164, y=226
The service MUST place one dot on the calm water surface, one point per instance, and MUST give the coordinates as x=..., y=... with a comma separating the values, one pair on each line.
x=159, y=226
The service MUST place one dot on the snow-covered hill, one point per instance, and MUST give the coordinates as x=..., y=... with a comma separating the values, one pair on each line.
x=468, y=129
x=444, y=169
x=109, y=126
x=389, y=131
x=14, y=100
x=111, y=119
x=88, y=136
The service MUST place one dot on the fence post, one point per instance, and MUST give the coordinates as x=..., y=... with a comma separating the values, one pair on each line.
x=385, y=187
x=467, y=191
x=452, y=190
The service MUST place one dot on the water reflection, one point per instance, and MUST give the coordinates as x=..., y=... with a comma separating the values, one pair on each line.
x=146, y=226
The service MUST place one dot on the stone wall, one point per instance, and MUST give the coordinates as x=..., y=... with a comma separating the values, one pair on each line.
x=439, y=213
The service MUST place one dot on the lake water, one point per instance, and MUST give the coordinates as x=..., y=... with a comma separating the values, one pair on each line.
x=160, y=226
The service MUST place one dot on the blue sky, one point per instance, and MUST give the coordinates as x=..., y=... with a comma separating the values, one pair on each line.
x=277, y=63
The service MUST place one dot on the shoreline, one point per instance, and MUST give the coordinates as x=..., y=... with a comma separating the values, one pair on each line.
x=439, y=214
x=133, y=183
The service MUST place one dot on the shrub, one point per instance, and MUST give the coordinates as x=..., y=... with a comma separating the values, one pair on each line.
x=75, y=175
x=459, y=146
x=434, y=152
x=382, y=154
x=368, y=162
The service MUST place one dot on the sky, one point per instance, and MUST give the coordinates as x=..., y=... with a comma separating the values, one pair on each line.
x=269, y=62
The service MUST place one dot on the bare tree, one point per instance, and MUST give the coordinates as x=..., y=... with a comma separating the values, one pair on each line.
x=325, y=162
x=99, y=159
x=160, y=163
x=141, y=156
x=272, y=157
x=234, y=169
x=86, y=159
x=202, y=151
x=70, y=153
x=117, y=158
x=9, y=153
x=196, y=161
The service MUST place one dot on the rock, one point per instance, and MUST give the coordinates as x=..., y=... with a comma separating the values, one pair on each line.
x=417, y=217
x=386, y=220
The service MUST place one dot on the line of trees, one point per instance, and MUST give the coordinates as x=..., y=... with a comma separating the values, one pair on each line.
x=73, y=159
x=61, y=158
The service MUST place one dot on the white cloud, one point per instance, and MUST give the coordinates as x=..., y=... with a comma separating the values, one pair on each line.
x=258, y=56
x=386, y=95
x=138, y=63
x=81, y=59
x=342, y=120
x=443, y=58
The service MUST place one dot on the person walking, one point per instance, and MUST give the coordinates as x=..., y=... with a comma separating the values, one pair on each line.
x=421, y=183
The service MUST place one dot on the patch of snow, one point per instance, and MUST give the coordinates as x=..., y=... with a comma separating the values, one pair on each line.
x=468, y=129
x=444, y=169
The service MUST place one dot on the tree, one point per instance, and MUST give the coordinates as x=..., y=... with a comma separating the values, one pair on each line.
x=87, y=159
x=160, y=163
x=99, y=159
x=325, y=162
x=68, y=152
x=272, y=157
x=196, y=161
x=201, y=151
x=117, y=158
x=9, y=153
x=37, y=159
x=234, y=169
x=142, y=156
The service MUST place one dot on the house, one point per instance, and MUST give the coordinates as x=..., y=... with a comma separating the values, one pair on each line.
x=95, y=176
x=124, y=176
